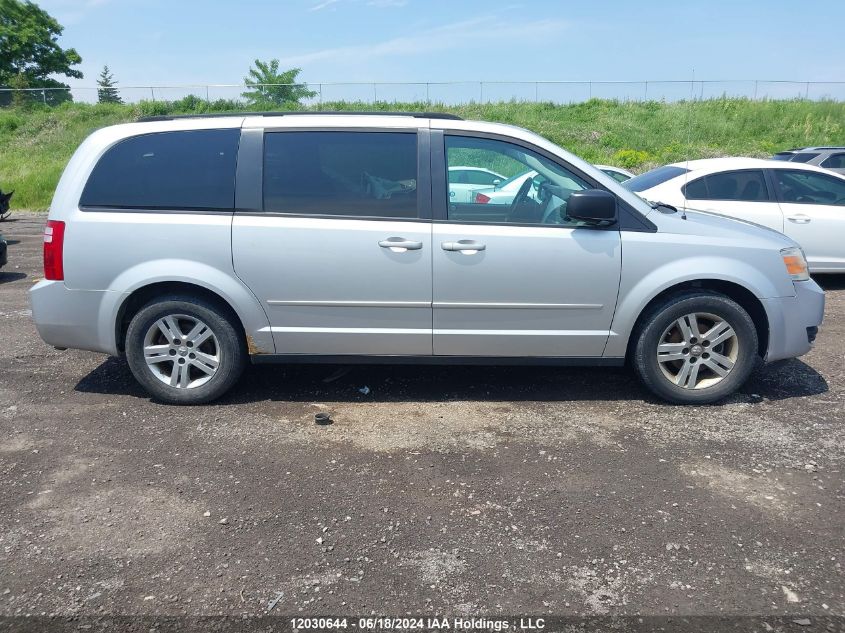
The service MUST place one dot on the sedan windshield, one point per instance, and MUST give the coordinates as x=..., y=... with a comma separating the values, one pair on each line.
x=653, y=178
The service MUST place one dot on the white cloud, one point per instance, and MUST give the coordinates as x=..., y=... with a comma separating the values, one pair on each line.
x=325, y=4
x=383, y=4
x=450, y=36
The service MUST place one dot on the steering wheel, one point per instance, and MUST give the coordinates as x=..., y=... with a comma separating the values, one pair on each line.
x=520, y=196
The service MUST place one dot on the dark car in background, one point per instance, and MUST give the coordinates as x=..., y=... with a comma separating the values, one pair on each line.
x=3, y=250
x=832, y=158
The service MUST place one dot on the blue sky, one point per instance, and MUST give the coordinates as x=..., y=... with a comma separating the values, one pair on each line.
x=178, y=42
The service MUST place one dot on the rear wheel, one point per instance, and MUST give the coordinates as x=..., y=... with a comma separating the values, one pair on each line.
x=185, y=350
x=696, y=348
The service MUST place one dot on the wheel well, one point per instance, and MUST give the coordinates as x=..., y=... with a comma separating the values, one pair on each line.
x=741, y=295
x=142, y=296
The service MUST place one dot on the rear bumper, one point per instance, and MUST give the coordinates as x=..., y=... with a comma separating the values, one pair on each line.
x=794, y=321
x=79, y=319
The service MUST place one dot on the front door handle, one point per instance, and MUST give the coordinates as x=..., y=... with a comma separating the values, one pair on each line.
x=400, y=244
x=468, y=247
x=799, y=218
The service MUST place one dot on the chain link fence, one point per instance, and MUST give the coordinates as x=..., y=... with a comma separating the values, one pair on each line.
x=464, y=92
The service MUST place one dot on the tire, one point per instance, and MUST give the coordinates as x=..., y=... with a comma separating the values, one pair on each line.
x=188, y=341
x=708, y=347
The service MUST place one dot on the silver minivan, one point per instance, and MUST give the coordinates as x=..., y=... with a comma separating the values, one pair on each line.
x=194, y=245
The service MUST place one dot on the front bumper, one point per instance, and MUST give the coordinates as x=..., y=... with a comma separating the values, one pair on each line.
x=78, y=319
x=794, y=321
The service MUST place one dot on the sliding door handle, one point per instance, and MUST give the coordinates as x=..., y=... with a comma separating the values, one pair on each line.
x=400, y=244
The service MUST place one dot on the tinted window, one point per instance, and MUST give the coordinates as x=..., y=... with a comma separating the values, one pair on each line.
x=783, y=156
x=458, y=176
x=747, y=186
x=835, y=161
x=618, y=176
x=696, y=190
x=803, y=157
x=808, y=187
x=366, y=174
x=653, y=178
x=474, y=177
x=169, y=170
x=536, y=191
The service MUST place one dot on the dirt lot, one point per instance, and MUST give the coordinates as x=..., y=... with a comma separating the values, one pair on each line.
x=458, y=490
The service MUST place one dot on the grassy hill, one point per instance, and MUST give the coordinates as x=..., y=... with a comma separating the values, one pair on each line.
x=36, y=143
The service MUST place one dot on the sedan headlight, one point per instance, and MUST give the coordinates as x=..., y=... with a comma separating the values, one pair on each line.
x=796, y=263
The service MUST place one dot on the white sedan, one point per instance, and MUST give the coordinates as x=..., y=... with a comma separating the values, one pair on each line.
x=806, y=203
x=465, y=180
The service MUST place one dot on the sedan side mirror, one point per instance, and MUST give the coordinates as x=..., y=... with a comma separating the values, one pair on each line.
x=592, y=205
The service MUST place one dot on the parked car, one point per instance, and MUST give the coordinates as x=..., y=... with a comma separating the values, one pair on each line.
x=505, y=191
x=5, y=199
x=617, y=173
x=464, y=181
x=832, y=158
x=806, y=203
x=194, y=245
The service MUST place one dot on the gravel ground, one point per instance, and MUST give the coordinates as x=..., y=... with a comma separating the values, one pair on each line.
x=453, y=490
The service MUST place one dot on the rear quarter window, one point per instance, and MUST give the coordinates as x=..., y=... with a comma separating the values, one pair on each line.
x=803, y=157
x=835, y=161
x=192, y=169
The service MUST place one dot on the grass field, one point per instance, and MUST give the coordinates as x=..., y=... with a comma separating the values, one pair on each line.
x=36, y=143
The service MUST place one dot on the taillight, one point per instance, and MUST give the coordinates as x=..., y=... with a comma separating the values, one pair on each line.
x=54, y=240
x=480, y=198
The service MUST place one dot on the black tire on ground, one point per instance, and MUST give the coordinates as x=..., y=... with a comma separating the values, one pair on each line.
x=229, y=348
x=659, y=318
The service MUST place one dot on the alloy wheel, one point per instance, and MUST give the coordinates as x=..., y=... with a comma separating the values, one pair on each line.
x=181, y=351
x=697, y=350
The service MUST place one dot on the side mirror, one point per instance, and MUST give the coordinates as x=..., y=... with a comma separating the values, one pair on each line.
x=592, y=205
x=497, y=182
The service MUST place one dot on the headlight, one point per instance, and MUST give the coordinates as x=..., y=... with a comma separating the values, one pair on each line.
x=796, y=263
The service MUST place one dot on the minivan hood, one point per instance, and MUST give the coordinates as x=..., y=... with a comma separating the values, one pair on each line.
x=713, y=225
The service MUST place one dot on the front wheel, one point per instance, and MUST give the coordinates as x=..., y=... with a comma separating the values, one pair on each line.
x=184, y=350
x=696, y=348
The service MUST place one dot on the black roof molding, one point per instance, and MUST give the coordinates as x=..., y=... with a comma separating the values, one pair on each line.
x=813, y=148
x=213, y=115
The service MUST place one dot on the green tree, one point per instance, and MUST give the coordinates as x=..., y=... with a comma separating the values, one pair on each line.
x=29, y=48
x=21, y=97
x=107, y=87
x=268, y=73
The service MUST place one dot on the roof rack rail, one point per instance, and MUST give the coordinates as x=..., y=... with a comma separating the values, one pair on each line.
x=209, y=115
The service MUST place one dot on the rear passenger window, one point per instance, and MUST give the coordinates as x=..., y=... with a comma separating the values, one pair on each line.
x=360, y=174
x=746, y=186
x=167, y=170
